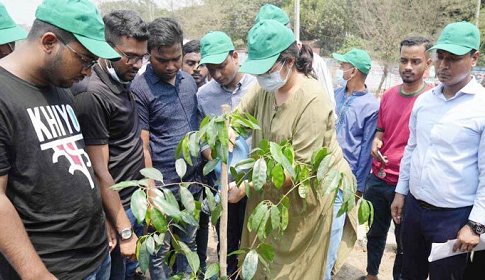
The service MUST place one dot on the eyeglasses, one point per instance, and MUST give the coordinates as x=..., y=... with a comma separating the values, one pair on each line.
x=134, y=59
x=86, y=63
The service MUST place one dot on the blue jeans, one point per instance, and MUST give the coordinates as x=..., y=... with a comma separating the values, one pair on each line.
x=159, y=269
x=381, y=195
x=421, y=228
x=336, y=235
x=122, y=267
x=102, y=272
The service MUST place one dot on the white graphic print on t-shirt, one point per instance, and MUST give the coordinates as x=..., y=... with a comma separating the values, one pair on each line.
x=52, y=124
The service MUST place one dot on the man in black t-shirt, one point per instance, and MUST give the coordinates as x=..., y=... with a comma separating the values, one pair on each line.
x=51, y=215
x=109, y=121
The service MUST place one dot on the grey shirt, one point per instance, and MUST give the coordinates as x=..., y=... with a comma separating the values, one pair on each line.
x=212, y=95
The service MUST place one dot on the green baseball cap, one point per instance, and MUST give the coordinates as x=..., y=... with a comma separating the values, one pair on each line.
x=82, y=19
x=266, y=40
x=269, y=11
x=360, y=59
x=458, y=38
x=214, y=47
x=9, y=31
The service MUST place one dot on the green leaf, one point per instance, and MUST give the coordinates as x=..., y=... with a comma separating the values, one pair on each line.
x=152, y=173
x=245, y=164
x=179, y=148
x=211, y=201
x=186, y=150
x=371, y=213
x=253, y=120
x=348, y=191
x=171, y=198
x=187, y=199
x=278, y=176
x=364, y=211
x=259, y=174
x=211, y=133
x=205, y=121
x=143, y=257
x=303, y=190
x=256, y=215
x=330, y=182
x=237, y=252
x=275, y=217
x=123, y=185
x=318, y=156
x=139, y=205
x=222, y=133
x=343, y=209
x=144, y=182
x=264, y=146
x=193, y=260
x=212, y=270
x=222, y=151
x=266, y=251
x=209, y=166
x=159, y=221
x=284, y=217
x=216, y=214
x=189, y=219
x=194, y=147
x=150, y=243
x=276, y=152
x=289, y=154
x=168, y=208
x=323, y=168
x=250, y=265
x=262, y=226
x=180, y=167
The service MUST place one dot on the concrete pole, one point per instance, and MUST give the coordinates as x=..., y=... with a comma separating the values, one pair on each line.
x=477, y=15
x=296, y=30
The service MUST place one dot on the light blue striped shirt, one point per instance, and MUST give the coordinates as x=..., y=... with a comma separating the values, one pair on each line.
x=444, y=160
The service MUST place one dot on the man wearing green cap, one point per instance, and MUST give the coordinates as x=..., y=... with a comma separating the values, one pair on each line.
x=9, y=33
x=228, y=86
x=320, y=68
x=356, y=124
x=53, y=224
x=442, y=174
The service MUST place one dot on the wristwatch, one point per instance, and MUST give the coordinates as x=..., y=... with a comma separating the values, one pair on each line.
x=476, y=227
x=126, y=233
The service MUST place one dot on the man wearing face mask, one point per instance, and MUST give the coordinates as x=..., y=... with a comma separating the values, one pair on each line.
x=108, y=116
x=9, y=32
x=228, y=86
x=356, y=124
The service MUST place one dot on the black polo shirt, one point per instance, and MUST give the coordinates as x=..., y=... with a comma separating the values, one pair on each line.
x=108, y=115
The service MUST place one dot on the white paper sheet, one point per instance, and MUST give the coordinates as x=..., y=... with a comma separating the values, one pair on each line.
x=444, y=250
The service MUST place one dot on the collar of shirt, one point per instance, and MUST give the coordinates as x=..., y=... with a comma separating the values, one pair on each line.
x=238, y=86
x=154, y=78
x=471, y=88
x=114, y=86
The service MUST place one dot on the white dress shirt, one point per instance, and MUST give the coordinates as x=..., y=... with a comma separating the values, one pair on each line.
x=444, y=160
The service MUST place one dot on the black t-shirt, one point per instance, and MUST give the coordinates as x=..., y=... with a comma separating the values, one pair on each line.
x=108, y=115
x=50, y=179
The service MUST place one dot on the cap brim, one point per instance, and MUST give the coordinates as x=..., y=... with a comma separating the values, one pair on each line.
x=98, y=48
x=339, y=57
x=258, y=67
x=454, y=49
x=12, y=34
x=214, y=59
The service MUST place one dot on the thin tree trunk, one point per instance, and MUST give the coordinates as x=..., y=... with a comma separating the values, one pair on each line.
x=383, y=79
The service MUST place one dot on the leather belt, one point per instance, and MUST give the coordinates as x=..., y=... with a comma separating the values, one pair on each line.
x=426, y=205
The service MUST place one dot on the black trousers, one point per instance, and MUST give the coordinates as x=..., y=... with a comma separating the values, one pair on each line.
x=420, y=229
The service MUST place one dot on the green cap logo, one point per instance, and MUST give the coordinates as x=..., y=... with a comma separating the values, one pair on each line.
x=214, y=47
x=266, y=40
x=82, y=19
x=360, y=59
x=9, y=31
x=458, y=38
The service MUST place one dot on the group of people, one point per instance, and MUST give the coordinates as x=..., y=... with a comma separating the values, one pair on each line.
x=87, y=102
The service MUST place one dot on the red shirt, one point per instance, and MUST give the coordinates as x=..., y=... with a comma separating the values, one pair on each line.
x=393, y=120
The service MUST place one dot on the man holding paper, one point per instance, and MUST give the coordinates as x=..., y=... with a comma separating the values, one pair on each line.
x=442, y=175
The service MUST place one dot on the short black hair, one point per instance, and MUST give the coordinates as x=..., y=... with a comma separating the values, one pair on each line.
x=124, y=23
x=164, y=32
x=416, y=41
x=191, y=47
x=39, y=28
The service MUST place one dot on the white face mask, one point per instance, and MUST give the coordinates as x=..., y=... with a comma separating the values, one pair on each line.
x=340, y=77
x=272, y=82
x=113, y=74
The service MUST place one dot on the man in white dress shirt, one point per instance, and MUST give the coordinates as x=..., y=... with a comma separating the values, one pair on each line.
x=442, y=176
